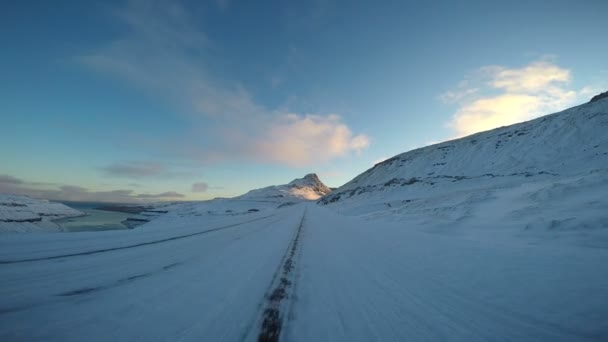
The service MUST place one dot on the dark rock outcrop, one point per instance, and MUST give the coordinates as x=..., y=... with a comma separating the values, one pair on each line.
x=599, y=96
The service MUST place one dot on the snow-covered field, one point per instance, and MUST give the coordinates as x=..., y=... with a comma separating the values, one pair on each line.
x=363, y=281
x=501, y=236
x=213, y=278
x=25, y=214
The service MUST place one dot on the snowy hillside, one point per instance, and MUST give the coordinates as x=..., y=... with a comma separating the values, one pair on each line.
x=24, y=214
x=272, y=197
x=519, y=172
x=308, y=188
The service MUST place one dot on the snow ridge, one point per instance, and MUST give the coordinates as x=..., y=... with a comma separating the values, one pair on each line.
x=567, y=143
x=309, y=187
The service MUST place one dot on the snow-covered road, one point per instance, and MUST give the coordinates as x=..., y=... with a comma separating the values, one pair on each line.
x=337, y=278
x=365, y=282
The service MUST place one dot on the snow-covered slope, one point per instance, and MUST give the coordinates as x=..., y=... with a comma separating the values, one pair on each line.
x=25, y=214
x=534, y=164
x=272, y=197
x=308, y=188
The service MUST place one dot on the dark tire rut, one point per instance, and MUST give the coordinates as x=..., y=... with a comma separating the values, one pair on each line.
x=275, y=305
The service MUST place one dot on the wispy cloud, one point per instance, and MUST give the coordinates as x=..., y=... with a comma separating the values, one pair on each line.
x=200, y=187
x=134, y=169
x=165, y=52
x=223, y=4
x=204, y=187
x=302, y=140
x=148, y=169
x=495, y=96
x=168, y=194
x=13, y=185
x=6, y=179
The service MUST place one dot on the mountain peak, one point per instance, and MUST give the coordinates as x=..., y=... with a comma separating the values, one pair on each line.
x=312, y=176
x=308, y=187
x=599, y=96
x=309, y=179
x=311, y=184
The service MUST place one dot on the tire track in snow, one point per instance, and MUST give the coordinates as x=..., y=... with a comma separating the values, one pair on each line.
x=54, y=298
x=97, y=251
x=132, y=278
x=281, y=288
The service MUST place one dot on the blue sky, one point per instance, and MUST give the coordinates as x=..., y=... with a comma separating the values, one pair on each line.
x=146, y=100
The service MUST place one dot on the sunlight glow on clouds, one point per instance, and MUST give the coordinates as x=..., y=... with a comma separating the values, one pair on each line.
x=525, y=93
x=175, y=67
x=300, y=140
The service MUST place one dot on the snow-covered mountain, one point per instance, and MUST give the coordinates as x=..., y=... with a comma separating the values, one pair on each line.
x=25, y=214
x=556, y=156
x=309, y=187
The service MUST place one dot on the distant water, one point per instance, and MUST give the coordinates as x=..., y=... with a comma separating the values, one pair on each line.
x=95, y=220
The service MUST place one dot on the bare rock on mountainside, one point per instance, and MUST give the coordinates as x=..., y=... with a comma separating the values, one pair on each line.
x=310, y=181
x=309, y=187
x=599, y=96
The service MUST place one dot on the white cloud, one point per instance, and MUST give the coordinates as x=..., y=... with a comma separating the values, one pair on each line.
x=495, y=96
x=167, y=54
x=302, y=140
x=534, y=78
x=459, y=94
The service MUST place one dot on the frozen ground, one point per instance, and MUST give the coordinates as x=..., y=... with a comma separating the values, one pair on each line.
x=304, y=272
